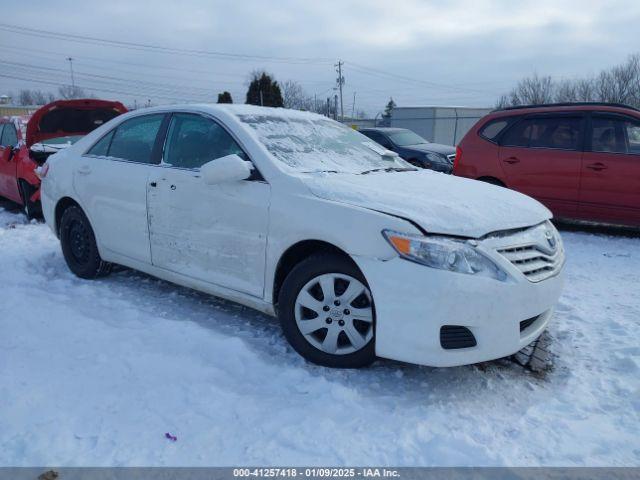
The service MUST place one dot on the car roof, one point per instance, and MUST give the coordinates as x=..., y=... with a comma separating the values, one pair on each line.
x=568, y=106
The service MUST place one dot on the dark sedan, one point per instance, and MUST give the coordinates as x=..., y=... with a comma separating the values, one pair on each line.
x=413, y=148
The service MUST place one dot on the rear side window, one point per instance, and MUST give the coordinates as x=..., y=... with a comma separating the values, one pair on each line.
x=492, y=129
x=518, y=135
x=9, y=135
x=560, y=132
x=134, y=139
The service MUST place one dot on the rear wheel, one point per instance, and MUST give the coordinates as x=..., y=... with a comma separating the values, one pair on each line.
x=327, y=312
x=79, y=245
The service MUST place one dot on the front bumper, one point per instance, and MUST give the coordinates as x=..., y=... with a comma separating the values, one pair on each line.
x=413, y=302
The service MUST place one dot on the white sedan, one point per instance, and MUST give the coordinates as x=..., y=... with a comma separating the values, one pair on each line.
x=358, y=253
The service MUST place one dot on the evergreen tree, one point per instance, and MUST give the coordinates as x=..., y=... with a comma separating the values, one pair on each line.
x=225, y=97
x=390, y=106
x=271, y=94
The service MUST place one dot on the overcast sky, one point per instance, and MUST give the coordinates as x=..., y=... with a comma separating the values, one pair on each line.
x=463, y=52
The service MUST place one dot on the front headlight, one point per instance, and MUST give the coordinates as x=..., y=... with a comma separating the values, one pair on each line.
x=435, y=158
x=444, y=253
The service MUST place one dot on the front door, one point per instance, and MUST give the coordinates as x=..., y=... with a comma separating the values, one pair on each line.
x=9, y=163
x=610, y=189
x=111, y=181
x=214, y=233
x=541, y=157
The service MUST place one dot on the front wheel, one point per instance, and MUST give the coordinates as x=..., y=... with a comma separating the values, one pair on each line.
x=327, y=312
x=79, y=245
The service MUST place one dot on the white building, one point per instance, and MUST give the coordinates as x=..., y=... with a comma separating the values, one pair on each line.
x=446, y=125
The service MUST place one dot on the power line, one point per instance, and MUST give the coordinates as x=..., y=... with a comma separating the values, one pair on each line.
x=22, y=30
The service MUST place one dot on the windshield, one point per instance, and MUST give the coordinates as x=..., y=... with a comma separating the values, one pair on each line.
x=310, y=143
x=406, y=137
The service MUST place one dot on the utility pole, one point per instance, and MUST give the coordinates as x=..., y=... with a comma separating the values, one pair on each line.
x=73, y=82
x=340, y=81
x=353, y=107
x=261, y=99
x=335, y=109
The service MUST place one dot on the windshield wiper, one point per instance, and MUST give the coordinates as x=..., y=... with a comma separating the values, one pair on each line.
x=389, y=169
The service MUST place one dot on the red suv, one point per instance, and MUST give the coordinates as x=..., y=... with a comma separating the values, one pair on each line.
x=581, y=160
x=52, y=127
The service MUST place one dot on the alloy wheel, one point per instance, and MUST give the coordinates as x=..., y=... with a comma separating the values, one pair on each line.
x=334, y=313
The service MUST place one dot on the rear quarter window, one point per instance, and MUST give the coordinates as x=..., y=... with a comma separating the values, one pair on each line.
x=494, y=128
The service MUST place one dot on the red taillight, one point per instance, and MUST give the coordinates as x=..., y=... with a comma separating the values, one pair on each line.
x=456, y=161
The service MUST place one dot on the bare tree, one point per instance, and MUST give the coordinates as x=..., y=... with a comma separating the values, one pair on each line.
x=68, y=92
x=620, y=84
x=294, y=96
x=33, y=97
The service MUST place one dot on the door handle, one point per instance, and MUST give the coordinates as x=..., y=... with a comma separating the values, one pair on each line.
x=597, y=166
x=84, y=170
x=153, y=184
x=512, y=160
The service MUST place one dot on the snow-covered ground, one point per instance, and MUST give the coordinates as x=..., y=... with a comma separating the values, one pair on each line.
x=95, y=373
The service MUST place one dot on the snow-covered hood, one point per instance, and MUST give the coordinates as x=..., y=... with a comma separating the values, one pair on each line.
x=437, y=202
x=432, y=147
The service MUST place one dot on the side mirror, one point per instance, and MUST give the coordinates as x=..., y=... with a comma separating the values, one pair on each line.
x=231, y=168
x=390, y=155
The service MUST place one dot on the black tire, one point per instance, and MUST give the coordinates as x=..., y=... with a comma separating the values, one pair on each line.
x=31, y=209
x=492, y=181
x=79, y=245
x=299, y=276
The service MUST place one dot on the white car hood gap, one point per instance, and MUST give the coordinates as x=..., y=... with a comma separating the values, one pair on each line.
x=439, y=203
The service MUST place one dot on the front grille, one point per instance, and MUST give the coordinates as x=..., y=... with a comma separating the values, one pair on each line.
x=456, y=336
x=451, y=157
x=535, y=263
x=527, y=323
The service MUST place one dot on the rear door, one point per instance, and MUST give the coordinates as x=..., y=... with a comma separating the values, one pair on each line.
x=111, y=181
x=541, y=156
x=9, y=163
x=610, y=189
x=214, y=233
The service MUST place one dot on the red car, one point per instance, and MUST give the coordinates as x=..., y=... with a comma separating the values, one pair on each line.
x=52, y=127
x=581, y=160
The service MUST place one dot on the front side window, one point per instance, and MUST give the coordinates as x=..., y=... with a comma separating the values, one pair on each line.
x=9, y=135
x=193, y=140
x=134, y=139
x=633, y=136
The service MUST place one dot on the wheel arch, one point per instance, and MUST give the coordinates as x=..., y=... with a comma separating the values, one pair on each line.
x=61, y=206
x=298, y=252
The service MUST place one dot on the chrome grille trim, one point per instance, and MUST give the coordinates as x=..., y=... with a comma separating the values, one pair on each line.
x=537, y=252
x=451, y=157
x=534, y=263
